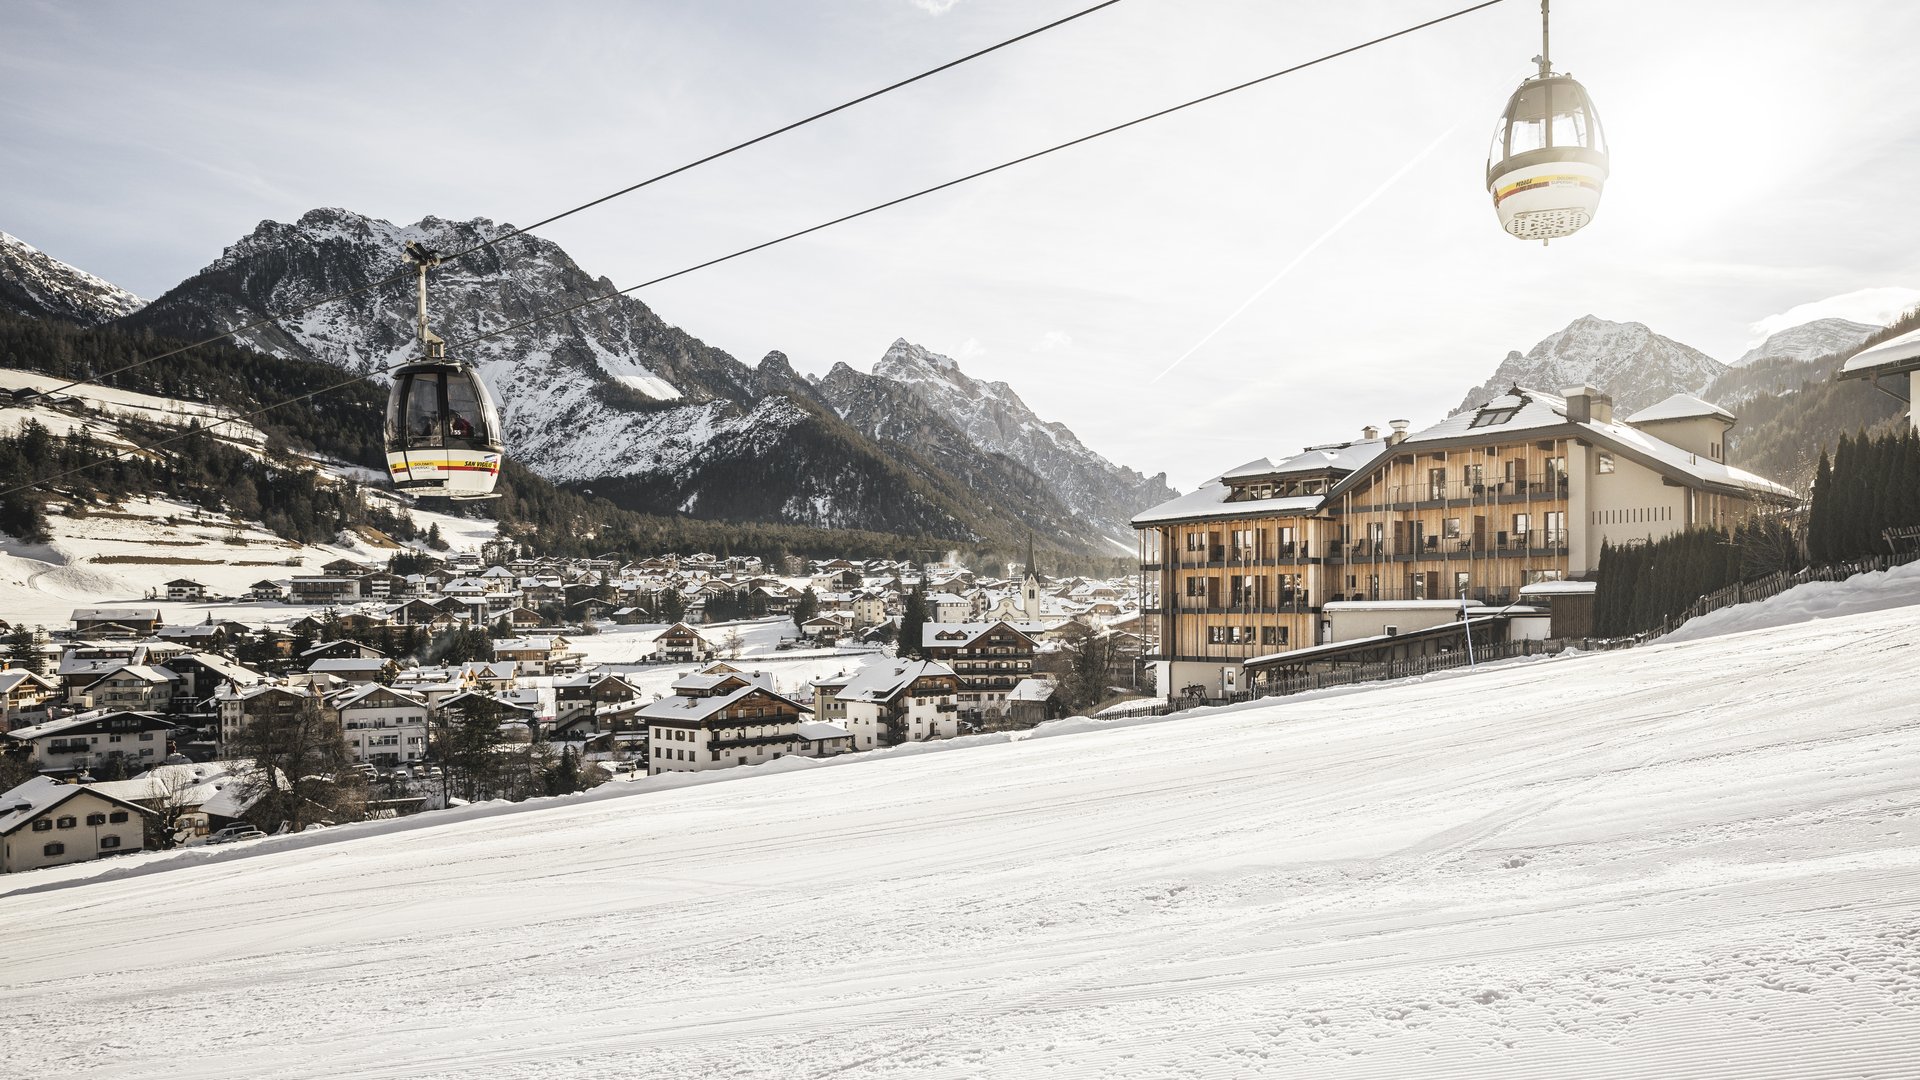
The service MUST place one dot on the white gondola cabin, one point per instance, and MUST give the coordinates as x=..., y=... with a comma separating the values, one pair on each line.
x=443, y=431
x=443, y=425
x=1548, y=162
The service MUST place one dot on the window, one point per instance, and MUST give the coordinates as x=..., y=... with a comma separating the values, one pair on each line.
x=1460, y=581
x=1196, y=586
x=1436, y=484
x=146, y=736
x=43, y=825
x=96, y=819
x=1492, y=417
x=1216, y=635
x=65, y=823
x=1475, y=478
x=109, y=841
x=1273, y=635
x=1604, y=461
x=54, y=849
x=1451, y=529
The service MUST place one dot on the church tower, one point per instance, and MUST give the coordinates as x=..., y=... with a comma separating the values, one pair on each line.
x=1030, y=586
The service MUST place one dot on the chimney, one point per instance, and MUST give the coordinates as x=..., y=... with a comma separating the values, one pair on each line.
x=1369, y=432
x=1399, y=432
x=1580, y=401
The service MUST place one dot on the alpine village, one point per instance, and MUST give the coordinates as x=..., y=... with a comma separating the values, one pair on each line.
x=422, y=546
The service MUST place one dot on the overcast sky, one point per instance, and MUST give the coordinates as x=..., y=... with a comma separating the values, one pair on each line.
x=1764, y=159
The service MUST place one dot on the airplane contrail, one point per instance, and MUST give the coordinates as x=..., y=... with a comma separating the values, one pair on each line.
x=1309, y=249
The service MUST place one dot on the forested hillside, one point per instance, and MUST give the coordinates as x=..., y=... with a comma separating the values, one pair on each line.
x=342, y=423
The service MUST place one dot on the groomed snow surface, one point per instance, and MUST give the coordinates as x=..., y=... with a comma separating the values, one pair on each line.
x=1693, y=859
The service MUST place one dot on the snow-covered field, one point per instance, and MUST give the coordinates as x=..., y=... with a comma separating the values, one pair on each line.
x=630, y=651
x=117, y=558
x=1691, y=859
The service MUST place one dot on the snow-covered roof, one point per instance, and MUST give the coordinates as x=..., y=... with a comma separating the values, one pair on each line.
x=1680, y=407
x=1895, y=355
x=144, y=673
x=1031, y=690
x=1560, y=588
x=29, y=800
x=1395, y=605
x=149, y=721
x=354, y=695
x=885, y=680
x=1521, y=409
x=1210, y=501
x=190, y=785
x=961, y=635
x=100, y=614
x=702, y=708
x=348, y=663
x=11, y=679
x=819, y=730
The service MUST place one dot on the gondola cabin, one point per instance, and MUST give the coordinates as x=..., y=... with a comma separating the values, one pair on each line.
x=443, y=431
x=1548, y=161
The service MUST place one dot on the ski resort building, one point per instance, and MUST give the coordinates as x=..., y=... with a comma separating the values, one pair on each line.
x=721, y=722
x=44, y=822
x=898, y=701
x=989, y=659
x=1526, y=488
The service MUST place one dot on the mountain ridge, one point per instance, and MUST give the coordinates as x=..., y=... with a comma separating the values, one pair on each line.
x=1627, y=360
x=36, y=284
x=610, y=397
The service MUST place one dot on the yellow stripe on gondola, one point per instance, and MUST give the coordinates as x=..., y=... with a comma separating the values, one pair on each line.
x=450, y=465
x=1555, y=180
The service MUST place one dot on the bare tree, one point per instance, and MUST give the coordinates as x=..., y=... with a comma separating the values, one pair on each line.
x=171, y=798
x=301, y=773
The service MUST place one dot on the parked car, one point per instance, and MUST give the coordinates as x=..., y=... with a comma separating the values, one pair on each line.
x=235, y=832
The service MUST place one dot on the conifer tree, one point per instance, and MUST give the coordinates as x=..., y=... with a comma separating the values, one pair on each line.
x=1820, y=514
x=911, y=623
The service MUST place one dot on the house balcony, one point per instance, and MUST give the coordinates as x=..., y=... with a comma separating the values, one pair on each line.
x=1546, y=484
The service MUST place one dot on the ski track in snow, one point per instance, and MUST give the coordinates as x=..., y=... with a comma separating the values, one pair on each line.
x=1687, y=859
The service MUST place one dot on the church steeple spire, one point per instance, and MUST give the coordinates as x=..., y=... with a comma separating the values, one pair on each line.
x=1031, y=572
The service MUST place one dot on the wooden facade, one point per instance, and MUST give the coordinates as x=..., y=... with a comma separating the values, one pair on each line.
x=1468, y=509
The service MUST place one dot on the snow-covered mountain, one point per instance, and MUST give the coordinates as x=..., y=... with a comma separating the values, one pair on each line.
x=610, y=396
x=994, y=419
x=1632, y=363
x=1810, y=341
x=37, y=284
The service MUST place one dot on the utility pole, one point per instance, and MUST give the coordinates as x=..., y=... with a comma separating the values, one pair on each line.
x=1466, y=624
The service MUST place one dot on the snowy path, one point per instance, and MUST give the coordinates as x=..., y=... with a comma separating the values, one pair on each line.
x=1699, y=859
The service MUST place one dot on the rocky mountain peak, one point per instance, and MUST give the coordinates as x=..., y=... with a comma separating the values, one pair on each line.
x=1626, y=359
x=37, y=284
x=1810, y=341
x=996, y=420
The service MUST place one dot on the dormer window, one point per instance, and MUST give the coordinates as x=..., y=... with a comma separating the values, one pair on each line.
x=1494, y=417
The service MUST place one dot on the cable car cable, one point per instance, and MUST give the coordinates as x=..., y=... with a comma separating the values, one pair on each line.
x=974, y=175
x=403, y=275
x=779, y=240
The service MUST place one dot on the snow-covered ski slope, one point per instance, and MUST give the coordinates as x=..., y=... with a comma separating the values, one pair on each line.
x=1697, y=859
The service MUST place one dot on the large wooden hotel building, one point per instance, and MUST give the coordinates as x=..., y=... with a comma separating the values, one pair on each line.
x=1524, y=489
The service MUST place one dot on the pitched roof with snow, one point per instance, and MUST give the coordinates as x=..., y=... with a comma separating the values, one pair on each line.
x=697, y=709
x=22, y=804
x=1681, y=407
x=1887, y=358
x=962, y=635
x=885, y=681
x=1523, y=410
